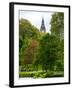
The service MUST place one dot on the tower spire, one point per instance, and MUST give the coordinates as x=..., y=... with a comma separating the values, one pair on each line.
x=42, y=28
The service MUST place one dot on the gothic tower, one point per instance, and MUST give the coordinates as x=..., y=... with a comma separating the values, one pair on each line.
x=42, y=28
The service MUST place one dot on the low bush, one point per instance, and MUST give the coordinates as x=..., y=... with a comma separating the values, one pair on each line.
x=40, y=74
x=25, y=74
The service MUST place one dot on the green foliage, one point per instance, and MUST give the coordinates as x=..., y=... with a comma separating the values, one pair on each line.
x=30, y=52
x=41, y=54
x=57, y=24
x=48, y=51
x=26, y=29
x=40, y=74
x=27, y=34
x=25, y=74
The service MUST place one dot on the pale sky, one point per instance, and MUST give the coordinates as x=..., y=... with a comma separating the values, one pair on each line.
x=36, y=17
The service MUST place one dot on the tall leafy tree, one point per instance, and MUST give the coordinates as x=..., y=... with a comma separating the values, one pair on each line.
x=48, y=50
x=26, y=32
x=57, y=28
x=57, y=24
x=26, y=29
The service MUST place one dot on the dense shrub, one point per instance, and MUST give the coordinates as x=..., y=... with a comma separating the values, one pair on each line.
x=40, y=74
x=25, y=74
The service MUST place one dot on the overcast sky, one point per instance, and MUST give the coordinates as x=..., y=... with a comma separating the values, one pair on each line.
x=36, y=17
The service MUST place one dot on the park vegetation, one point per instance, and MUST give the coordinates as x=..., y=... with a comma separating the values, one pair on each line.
x=41, y=54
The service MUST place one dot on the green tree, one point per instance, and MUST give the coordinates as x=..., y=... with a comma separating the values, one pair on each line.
x=31, y=52
x=26, y=32
x=26, y=29
x=60, y=63
x=23, y=44
x=48, y=52
x=57, y=24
